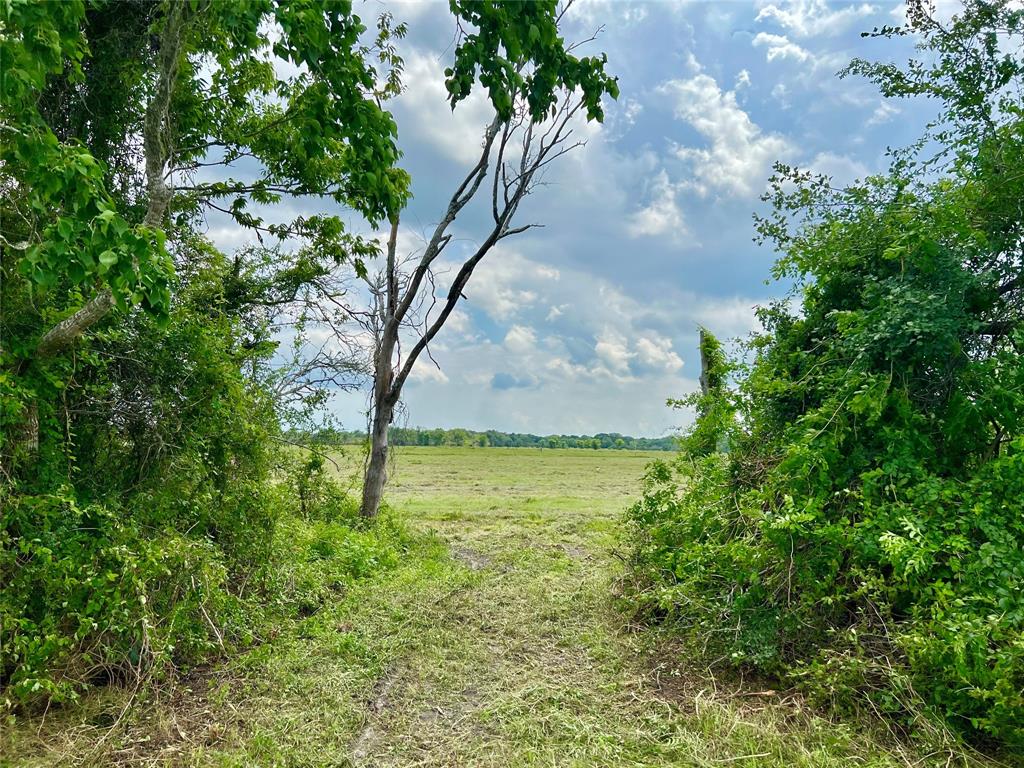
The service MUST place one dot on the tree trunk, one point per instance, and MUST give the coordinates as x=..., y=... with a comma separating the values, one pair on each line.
x=155, y=144
x=376, y=468
x=385, y=389
x=705, y=385
x=64, y=333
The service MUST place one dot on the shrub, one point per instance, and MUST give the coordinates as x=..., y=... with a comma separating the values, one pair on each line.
x=915, y=605
x=156, y=525
x=864, y=533
x=91, y=597
x=88, y=599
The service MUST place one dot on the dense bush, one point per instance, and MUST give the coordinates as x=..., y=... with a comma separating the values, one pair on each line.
x=905, y=602
x=159, y=521
x=863, y=535
x=92, y=596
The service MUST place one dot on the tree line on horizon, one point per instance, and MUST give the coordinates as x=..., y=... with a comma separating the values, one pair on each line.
x=491, y=438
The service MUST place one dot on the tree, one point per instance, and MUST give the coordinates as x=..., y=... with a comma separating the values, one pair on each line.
x=141, y=392
x=97, y=228
x=538, y=89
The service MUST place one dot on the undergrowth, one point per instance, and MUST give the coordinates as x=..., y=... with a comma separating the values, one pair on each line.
x=93, y=597
x=863, y=535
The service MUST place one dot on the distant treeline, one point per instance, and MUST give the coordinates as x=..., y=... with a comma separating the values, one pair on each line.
x=494, y=439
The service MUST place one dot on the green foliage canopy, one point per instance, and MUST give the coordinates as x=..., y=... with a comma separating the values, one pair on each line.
x=506, y=37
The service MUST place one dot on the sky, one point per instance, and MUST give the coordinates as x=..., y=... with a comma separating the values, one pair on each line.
x=588, y=324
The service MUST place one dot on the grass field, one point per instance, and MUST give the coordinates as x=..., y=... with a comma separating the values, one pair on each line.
x=495, y=642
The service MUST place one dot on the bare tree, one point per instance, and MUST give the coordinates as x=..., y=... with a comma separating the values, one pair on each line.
x=520, y=149
x=300, y=306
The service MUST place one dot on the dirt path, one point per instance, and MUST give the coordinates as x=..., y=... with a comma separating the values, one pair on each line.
x=513, y=659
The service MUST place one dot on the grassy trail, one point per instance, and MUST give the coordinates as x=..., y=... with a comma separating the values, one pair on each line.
x=494, y=643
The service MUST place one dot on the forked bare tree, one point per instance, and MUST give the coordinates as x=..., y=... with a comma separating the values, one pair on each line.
x=514, y=156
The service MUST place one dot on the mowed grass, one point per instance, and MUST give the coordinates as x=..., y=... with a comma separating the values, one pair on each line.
x=557, y=497
x=495, y=642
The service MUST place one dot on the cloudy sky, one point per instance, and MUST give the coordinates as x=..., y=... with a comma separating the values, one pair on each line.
x=590, y=323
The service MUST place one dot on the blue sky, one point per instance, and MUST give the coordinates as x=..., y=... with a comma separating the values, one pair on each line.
x=590, y=323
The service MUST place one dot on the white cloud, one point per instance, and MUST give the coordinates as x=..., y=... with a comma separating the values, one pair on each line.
x=781, y=95
x=662, y=215
x=742, y=80
x=597, y=331
x=229, y=236
x=605, y=360
x=457, y=133
x=520, y=340
x=656, y=352
x=807, y=18
x=719, y=17
x=412, y=11
x=596, y=13
x=612, y=349
x=505, y=284
x=727, y=318
x=841, y=169
x=739, y=155
x=426, y=372
x=630, y=111
x=780, y=47
x=883, y=113
x=555, y=312
x=458, y=322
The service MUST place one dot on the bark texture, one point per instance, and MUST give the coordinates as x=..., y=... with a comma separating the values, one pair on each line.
x=705, y=385
x=377, y=465
x=385, y=395
x=157, y=153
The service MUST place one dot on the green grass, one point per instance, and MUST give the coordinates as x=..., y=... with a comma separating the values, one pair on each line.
x=495, y=642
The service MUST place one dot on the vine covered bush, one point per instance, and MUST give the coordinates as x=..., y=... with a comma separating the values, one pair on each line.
x=162, y=523
x=862, y=532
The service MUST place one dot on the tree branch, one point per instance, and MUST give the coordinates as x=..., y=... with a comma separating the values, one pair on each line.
x=465, y=192
x=536, y=153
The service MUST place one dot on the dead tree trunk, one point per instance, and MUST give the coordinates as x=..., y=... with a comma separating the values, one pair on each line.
x=381, y=416
x=384, y=396
x=377, y=465
x=514, y=177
